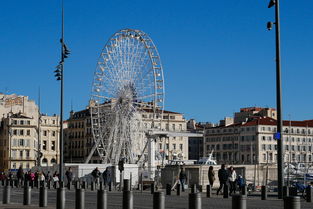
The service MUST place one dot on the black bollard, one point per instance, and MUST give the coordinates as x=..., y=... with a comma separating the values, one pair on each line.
x=102, y=200
x=126, y=185
x=168, y=189
x=43, y=195
x=84, y=186
x=244, y=190
x=6, y=194
x=152, y=188
x=263, y=193
x=292, y=202
x=195, y=201
x=178, y=189
x=27, y=195
x=61, y=196
x=158, y=200
x=309, y=194
x=293, y=191
x=110, y=186
x=77, y=185
x=80, y=199
x=93, y=186
x=285, y=191
x=128, y=201
x=208, y=191
x=239, y=201
x=225, y=191
x=194, y=188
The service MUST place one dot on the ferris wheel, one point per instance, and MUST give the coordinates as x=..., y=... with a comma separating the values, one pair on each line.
x=128, y=81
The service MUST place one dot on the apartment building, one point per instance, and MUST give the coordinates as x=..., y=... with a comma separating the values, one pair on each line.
x=253, y=142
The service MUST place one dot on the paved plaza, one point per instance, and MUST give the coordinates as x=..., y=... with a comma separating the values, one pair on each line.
x=141, y=200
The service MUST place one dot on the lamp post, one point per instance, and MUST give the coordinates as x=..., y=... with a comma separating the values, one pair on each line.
x=60, y=77
x=280, y=151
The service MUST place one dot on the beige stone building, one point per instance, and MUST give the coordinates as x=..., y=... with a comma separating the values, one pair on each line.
x=79, y=140
x=19, y=128
x=253, y=142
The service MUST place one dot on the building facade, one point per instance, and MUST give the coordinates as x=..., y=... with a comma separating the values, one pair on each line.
x=19, y=138
x=79, y=140
x=253, y=142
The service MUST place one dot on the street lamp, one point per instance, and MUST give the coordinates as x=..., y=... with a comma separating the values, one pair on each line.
x=278, y=135
x=60, y=77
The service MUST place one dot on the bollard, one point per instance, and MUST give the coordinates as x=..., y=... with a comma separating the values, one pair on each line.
x=292, y=202
x=43, y=196
x=263, y=193
x=195, y=201
x=77, y=185
x=102, y=199
x=84, y=185
x=168, y=189
x=208, y=191
x=239, y=201
x=285, y=191
x=194, y=188
x=60, y=196
x=158, y=200
x=128, y=201
x=93, y=186
x=178, y=189
x=80, y=199
x=110, y=186
x=27, y=195
x=126, y=185
x=293, y=191
x=152, y=188
x=244, y=190
x=309, y=194
x=225, y=191
x=6, y=194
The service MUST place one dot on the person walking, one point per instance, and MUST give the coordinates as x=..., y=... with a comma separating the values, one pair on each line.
x=232, y=180
x=69, y=176
x=211, y=176
x=222, y=177
x=182, y=178
x=20, y=175
x=107, y=176
x=96, y=175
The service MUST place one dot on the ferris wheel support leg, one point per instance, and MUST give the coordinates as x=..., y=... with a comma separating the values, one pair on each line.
x=151, y=157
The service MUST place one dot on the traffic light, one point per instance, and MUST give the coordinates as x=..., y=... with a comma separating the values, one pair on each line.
x=121, y=165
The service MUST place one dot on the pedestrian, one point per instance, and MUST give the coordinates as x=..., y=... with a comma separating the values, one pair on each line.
x=211, y=176
x=107, y=176
x=182, y=178
x=20, y=175
x=222, y=177
x=232, y=180
x=69, y=176
x=240, y=182
x=96, y=175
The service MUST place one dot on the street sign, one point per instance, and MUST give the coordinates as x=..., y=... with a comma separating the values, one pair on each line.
x=277, y=136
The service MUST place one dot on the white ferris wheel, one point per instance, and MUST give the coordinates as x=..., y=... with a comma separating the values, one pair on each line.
x=128, y=82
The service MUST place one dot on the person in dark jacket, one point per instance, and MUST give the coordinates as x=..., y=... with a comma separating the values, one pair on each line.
x=69, y=176
x=20, y=175
x=211, y=176
x=182, y=178
x=222, y=176
x=96, y=175
x=107, y=176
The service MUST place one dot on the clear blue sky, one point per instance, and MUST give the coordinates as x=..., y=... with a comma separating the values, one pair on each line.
x=217, y=55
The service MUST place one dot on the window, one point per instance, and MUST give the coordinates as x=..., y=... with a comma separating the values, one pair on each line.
x=263, y=138
x=44, y=145
x=15, y=122
x=264, y=157
x=15, y=132
x=28, y=122
x=160, y=146
x=27, y=153
x=53, y=121
x=263, y=147
x=21, y=142
x=53, y=133
x=167, y=146
x=53, y=145
x=269, y=147
x=173, y=127
x=174, y=146
x=45, y=133
x=28, y=133
x=181, y=146
x=21, y=153
x=21, y=132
